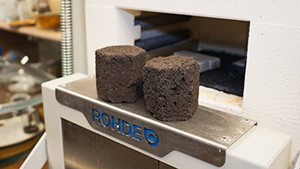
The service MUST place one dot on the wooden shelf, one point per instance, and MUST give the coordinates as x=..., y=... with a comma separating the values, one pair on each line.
x=33, y=31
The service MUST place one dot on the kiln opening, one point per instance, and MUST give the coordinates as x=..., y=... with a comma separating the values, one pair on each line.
x=219, y=45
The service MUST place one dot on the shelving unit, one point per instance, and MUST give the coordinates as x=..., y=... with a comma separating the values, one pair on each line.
x=33, y=31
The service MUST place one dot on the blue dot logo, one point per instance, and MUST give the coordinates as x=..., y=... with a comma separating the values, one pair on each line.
x=151, y=137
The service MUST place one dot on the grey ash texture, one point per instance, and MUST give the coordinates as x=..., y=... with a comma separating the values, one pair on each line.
x=171, y=87
x=119, y=73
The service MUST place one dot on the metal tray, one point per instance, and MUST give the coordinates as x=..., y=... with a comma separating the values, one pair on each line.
x=205, y=136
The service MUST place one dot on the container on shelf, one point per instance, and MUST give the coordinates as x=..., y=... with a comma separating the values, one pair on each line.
x=20, y=102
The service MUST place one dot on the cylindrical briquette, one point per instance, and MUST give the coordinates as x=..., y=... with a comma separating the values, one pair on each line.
x=171, y=87
x=119, y=73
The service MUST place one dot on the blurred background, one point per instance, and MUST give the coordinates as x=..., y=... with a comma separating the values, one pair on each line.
x=30, y=53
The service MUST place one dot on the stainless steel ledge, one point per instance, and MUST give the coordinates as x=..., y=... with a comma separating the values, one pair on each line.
x=205, y=136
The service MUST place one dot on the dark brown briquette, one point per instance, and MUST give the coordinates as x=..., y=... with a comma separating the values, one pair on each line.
x=171, y=87
x=119, y=73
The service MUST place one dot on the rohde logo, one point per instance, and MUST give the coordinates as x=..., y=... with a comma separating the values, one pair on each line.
x=151, y=137
x=128, y=129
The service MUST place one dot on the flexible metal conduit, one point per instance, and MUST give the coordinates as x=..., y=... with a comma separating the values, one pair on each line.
x=66, y=44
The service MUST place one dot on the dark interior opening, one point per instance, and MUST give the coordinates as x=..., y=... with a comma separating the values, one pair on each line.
x=224, y=41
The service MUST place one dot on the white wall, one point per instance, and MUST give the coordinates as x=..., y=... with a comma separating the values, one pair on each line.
x=79, y=36
x=272, y=85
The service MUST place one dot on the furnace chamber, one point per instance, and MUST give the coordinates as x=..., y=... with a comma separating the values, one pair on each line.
x=265, y=32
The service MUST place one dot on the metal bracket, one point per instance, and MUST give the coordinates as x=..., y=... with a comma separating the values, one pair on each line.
x=205, y=136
